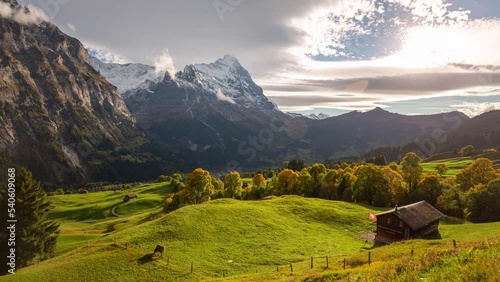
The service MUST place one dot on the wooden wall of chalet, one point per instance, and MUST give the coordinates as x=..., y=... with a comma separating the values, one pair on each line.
x=391, y=229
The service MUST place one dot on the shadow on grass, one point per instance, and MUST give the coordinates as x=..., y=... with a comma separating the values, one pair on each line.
x=145, y=259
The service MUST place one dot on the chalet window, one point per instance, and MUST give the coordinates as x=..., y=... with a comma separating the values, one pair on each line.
x=401, y=223
x=389, y=220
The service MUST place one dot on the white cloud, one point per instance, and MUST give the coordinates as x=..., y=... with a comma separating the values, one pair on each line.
x=475, y=109
x=71, y=27
x=106, y=56
x=165, y=63
x=33, y=14
x=436, y=52
x=221, y=97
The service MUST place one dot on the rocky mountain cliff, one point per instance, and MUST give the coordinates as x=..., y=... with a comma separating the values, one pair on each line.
x=59, y=116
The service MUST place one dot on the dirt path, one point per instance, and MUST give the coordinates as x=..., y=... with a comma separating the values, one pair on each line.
x=113, y=212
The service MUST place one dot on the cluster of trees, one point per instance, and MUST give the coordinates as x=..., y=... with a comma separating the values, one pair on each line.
x=474, y=193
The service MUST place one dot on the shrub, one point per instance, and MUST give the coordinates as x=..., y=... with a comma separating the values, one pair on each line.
x=163, y=178
x=83, y=191
x=59, y=191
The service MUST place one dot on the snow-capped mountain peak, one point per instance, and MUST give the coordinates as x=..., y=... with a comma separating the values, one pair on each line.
x=126, y=76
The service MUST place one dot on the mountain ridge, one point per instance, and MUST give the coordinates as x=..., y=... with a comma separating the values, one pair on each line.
x=61, y=119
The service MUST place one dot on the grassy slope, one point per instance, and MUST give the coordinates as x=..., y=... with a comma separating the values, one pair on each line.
x=86, y=217
x=456, y=164
x=255, y=235
x=246, y=240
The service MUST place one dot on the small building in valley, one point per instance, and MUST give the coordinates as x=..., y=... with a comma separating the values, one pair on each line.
x=129, y=197
x=407, y=222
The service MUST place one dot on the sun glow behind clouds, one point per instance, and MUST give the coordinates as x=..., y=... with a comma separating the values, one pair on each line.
x=432, y=46
x=384, y=42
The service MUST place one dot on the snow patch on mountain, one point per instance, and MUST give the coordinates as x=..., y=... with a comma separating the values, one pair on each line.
x=310, y=116
x=223, y=97
x=126, y=76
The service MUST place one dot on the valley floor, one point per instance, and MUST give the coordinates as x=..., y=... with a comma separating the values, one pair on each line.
x=230, y=240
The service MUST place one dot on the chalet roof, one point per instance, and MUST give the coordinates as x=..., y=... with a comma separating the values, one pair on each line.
x=416, y=215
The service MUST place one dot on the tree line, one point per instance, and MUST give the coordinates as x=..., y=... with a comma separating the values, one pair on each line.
x=473, y=194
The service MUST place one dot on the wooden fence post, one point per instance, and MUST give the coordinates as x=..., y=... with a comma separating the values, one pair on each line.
x=369, y=258
x=291, y=267
x=191, y=267
x=412, y=252
x=326, y=261
x=454, y=243
x=344, y=263
x=312, y=262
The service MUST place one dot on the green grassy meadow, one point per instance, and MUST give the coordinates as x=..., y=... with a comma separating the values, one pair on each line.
x=456, y=164
x=104, y=239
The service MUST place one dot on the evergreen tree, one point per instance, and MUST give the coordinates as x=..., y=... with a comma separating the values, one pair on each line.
x=36, y=234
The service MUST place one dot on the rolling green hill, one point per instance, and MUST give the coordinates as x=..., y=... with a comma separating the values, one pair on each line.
x=224, y=239
x=85, y=217
x=456, y=163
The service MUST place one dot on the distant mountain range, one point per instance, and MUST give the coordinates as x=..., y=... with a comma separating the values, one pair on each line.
x=62, y=116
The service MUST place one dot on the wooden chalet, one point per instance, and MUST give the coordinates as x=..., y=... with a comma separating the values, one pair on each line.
x=129, y=197
x=407, y=222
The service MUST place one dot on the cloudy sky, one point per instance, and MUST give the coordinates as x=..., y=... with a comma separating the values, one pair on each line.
x=407, y=56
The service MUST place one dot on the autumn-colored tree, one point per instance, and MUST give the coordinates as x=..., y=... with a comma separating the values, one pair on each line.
x=479, y=172
x=429, y=188
x=394, y=166
x=441, y=169
x=287, y=181
x=272, y=184
x=233, y=185
x=198, y=187
x=371, y=186
x=258, y=181
x=177, y=183
x=449, y=202
x=467, y=150
x=411, y=170
x=330, y=185
x=317, y=171
x=304, y=182
x=398, y=191
x=345, y=186
x=296, y=165
x=259, y=189
x=483, y=202
x=218, y=188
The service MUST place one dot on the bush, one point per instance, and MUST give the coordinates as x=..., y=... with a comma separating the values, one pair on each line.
x=83, y=191
x=59, y=191
x=172, y=202
x=163, y=178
